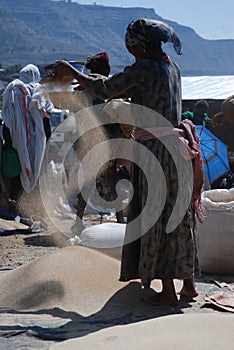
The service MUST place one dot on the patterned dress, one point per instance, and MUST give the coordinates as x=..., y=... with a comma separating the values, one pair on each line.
x=154, y=83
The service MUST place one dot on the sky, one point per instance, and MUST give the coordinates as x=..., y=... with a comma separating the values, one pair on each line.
x=211, y=19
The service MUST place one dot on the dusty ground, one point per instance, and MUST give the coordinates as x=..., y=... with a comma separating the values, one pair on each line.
x=18, y=249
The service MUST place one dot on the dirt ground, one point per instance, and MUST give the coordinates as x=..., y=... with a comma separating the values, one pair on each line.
x=18, y=249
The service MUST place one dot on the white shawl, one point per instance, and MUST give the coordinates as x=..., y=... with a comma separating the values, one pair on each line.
x=24, y=107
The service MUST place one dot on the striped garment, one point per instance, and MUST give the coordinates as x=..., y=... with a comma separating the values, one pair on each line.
x=156, y=84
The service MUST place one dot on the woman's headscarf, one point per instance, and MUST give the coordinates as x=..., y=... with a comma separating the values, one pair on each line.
x=150, y=31
x=99, y=63
x=30, y=75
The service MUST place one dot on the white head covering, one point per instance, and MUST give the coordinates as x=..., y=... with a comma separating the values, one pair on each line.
x=30, y=75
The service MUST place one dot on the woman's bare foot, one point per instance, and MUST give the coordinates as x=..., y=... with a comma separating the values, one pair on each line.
x=189, y=289
x=189, y=293
x=162, y=299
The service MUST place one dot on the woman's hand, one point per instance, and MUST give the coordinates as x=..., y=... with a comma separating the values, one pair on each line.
x=60, y=71
x=64, y=72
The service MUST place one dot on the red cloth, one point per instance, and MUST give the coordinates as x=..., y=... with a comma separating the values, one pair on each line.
x=193, y=139
x=99, y=64
x=189, y=146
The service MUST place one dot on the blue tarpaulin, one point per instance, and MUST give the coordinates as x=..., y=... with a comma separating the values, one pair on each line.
x=214, y=154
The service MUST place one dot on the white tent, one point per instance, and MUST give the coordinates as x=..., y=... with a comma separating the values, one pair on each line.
x=207, y=87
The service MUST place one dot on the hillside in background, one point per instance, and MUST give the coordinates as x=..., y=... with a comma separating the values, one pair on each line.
x=43, y=31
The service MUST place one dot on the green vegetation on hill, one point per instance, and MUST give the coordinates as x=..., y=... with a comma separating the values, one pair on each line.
x=9, y=73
